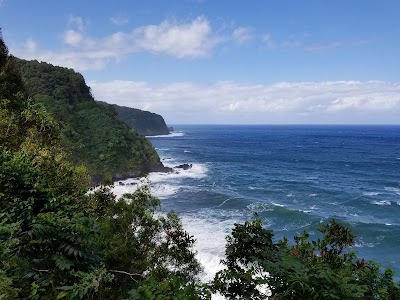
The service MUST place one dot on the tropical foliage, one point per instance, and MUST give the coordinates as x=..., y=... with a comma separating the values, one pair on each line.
x=60, y=240
x=258, y=268
x=90, y=133
x=57, y=241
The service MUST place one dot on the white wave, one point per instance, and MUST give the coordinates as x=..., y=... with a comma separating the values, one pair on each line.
x=163, y=190
x=393, y=189
x=129, y=185
x=210, y=233
x=187, y=151
x=290, y=195
x=371, y=193
x=278, y=204
x=382, y=202
x=312, y=195
x=258, y=207
x=362, y=244
x=161, y=185
x=197, y=171
x=172, y=134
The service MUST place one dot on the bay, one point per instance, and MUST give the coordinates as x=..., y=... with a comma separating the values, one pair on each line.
x=293, y=177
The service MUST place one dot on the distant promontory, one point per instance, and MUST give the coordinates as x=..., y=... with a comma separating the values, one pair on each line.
x=144, y=122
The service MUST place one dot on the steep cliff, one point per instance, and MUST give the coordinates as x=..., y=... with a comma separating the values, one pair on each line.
x=144, y=122
x=91, y=133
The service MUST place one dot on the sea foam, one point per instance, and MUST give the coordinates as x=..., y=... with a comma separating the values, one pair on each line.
x=172, y=134
x=371, y=193
x=382, y=202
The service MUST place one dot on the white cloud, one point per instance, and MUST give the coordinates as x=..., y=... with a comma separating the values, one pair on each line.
x=242, y=35
x=229, y=102
x=73, y=38
x=192, y=39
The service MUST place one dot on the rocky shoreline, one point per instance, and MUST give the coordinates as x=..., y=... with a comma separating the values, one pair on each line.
x=96, y=180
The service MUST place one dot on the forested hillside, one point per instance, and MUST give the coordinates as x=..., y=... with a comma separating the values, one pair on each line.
x=90, y=133
x=57, y=241
x=144, y=122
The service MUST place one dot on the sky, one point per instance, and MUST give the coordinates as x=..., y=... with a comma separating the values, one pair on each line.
x=223, y=61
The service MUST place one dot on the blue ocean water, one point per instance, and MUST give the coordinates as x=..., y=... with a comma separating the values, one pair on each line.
x=294, y=177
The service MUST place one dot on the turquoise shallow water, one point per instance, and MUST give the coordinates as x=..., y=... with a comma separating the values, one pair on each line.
x=294, y=177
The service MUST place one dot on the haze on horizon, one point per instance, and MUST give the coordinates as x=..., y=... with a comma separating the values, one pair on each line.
x=223, y=62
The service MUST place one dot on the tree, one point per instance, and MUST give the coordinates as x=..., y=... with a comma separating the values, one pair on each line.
x=140, y=247
x=11, y=85
x=3, y=51
x=257, y=268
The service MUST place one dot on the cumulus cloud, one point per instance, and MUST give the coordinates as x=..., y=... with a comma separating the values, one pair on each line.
x=192, y=39
x=284, y=102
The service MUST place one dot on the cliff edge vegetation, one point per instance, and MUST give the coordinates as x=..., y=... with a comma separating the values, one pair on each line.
x=91, y=134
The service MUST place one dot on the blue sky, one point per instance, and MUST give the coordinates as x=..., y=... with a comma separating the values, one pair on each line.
x=210, y=61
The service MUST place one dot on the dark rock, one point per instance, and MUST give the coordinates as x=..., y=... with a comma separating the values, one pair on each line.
x=184, y=166
x=100, y=179
x=161, y=168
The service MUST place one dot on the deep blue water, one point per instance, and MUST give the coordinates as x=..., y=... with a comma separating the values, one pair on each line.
x=294, y=177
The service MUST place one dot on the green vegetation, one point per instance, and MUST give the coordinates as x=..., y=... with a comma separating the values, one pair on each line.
x=57, y=241
x=60, y=242
x=90, y=133
x=258, y=268
x=145, y=122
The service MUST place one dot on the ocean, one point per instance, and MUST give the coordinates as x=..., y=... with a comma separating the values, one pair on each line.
x=294, y=177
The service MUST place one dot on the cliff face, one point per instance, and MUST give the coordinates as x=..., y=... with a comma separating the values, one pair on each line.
x=91, y=133
x=144, y=122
